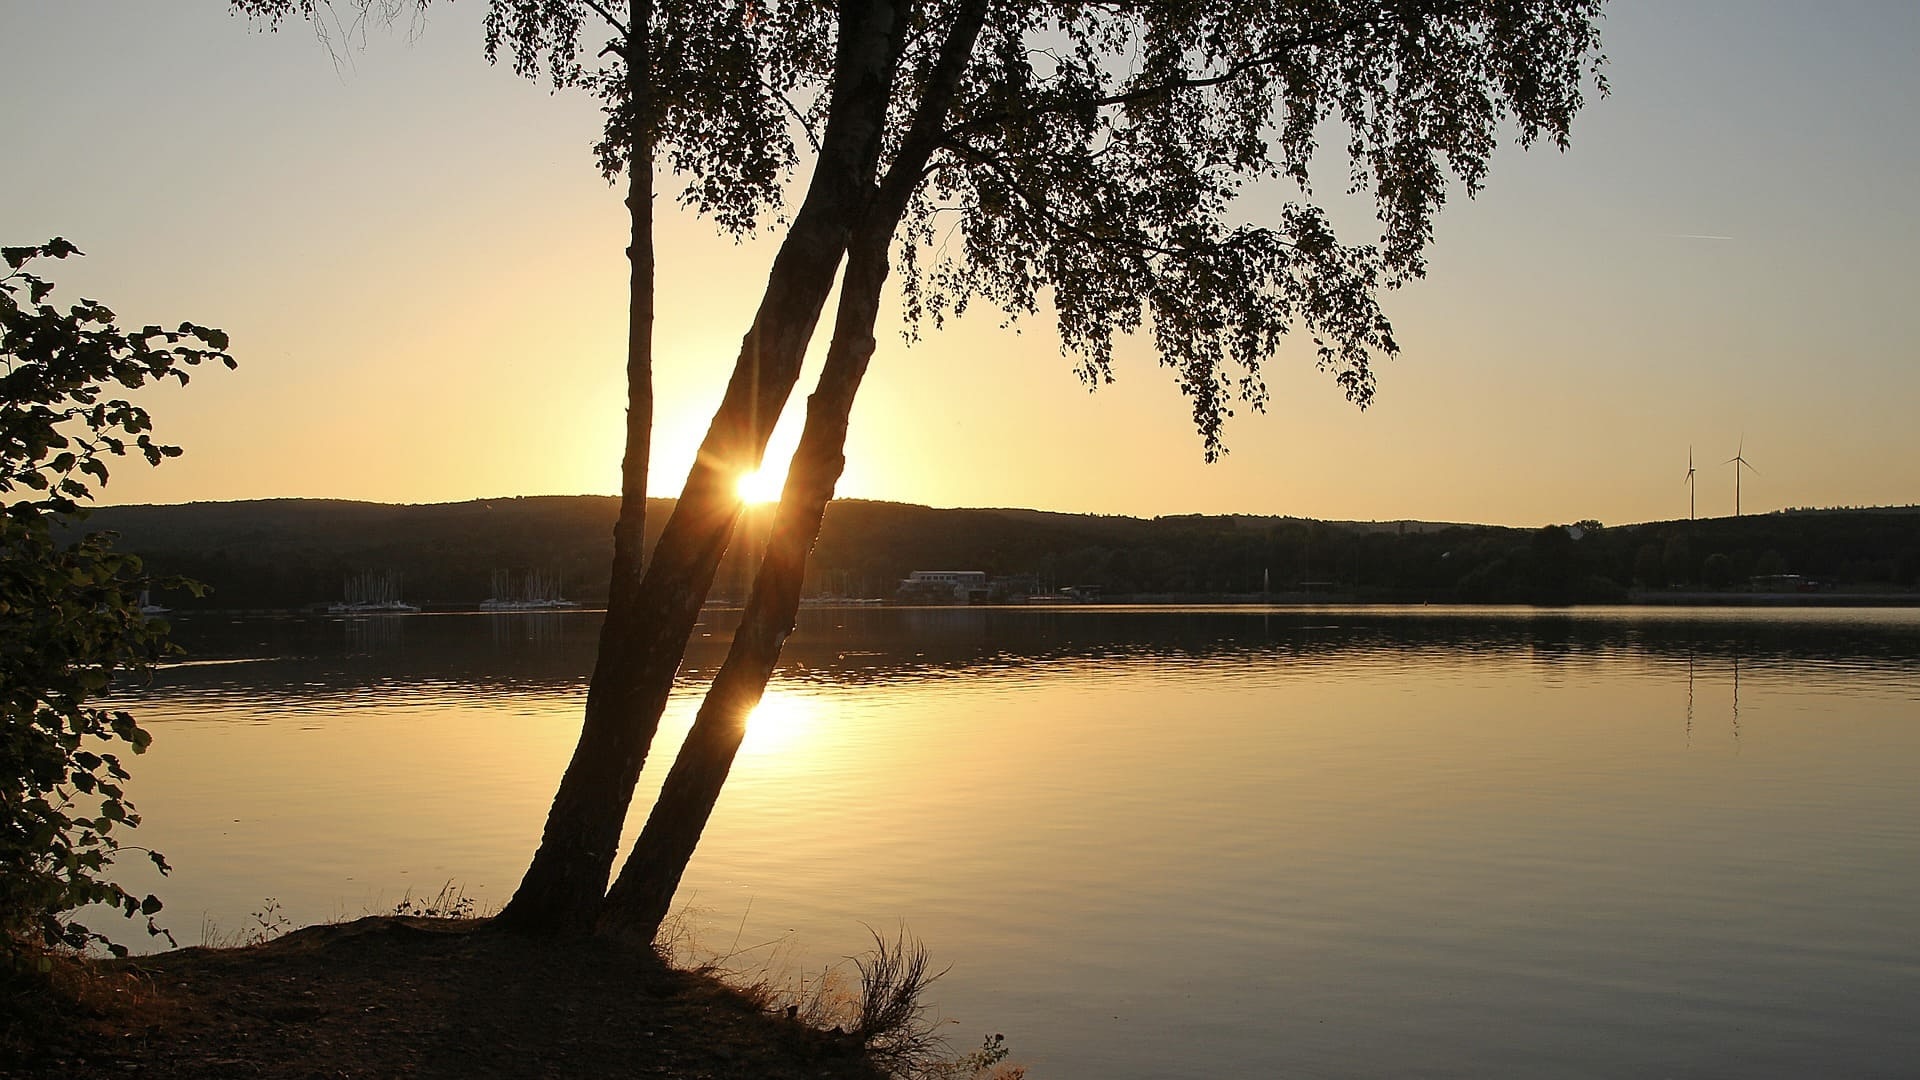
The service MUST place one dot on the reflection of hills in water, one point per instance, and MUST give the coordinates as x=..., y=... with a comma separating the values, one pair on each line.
x=553, y=651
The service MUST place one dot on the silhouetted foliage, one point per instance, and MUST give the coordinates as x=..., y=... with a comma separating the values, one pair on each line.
x=70, y=618
x=292, y=553
x=1088, y=153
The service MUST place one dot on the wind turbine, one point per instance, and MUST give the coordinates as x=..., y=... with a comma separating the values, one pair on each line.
x=1737, y=460
x=1689, y=482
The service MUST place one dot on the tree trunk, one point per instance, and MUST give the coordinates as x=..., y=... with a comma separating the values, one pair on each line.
x=629, y=532
x=564, y=886
x=624, y=614
x=640, y=898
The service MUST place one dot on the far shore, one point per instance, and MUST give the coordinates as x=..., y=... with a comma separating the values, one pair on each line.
x=1635, y=598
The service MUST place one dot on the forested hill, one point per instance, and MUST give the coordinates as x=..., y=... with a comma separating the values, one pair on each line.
x=292, y=553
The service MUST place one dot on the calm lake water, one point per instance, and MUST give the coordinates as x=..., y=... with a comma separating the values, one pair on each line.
x=1164, y=843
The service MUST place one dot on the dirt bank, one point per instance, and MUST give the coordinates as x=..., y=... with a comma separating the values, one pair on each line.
x=393, y=996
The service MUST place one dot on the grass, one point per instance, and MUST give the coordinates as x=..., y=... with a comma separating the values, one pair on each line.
x=893, y=1019
x=451, y=902
x=270, y=921
x=877, y=1000
x=40, y=986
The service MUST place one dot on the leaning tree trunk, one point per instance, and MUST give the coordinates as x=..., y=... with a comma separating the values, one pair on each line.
x=564, y=886
x=640, y=898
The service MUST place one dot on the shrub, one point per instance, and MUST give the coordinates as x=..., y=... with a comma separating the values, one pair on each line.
x=70, y=618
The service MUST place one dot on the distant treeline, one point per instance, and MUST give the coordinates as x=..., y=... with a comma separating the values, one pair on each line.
x=294, y=553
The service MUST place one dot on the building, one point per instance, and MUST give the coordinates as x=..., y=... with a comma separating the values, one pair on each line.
x=944, y=584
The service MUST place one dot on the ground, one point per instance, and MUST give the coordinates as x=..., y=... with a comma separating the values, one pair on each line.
x=393, y=996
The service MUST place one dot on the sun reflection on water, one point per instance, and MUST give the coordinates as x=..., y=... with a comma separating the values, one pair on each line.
x=781, y=724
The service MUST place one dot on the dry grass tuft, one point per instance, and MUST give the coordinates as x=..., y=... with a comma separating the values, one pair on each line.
x=43, y=989
x=894, y=1020
x=880, y=1005
x=266, y=924
x=451, y=902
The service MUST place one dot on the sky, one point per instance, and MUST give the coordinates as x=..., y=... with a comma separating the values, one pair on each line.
x=423, y=275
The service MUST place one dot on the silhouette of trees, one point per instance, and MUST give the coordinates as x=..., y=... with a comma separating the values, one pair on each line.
x=1085, y=158
x=286, y=553
x=70, y=618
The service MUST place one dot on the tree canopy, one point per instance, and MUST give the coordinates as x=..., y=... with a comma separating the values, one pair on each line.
x=1094, y=159
x=1098, y=159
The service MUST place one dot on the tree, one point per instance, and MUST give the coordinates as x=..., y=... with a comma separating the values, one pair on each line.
x=709, y=87
x=1676, y=559
x=1718, y=571
x=1649, y=569
x=1088, y=157
x=1114, y=191
x=1555, y=565
x=70, y=619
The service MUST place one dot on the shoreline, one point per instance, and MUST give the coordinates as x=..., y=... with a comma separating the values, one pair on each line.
x=389, y=995
x=1635, y=598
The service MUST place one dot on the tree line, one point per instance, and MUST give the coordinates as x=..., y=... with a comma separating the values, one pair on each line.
x=290, y=554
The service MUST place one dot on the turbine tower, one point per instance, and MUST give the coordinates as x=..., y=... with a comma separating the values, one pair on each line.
x=1737, y=461
x=1689, y=482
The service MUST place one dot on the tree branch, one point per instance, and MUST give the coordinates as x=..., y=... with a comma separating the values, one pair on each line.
x=1171, y=86
x=607, y=16
x=800, y=117
x=924, y=135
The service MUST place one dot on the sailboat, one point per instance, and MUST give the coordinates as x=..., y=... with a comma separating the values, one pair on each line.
x=537, y=590
x=372, y=593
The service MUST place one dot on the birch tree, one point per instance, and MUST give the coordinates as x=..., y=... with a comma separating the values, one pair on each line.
x=1090, y=161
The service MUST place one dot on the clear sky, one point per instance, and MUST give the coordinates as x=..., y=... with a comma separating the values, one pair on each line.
x=423, y=276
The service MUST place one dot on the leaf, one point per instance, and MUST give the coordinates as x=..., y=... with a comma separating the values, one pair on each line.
x=150, y=906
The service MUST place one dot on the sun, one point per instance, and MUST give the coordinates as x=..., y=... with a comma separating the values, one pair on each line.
x=760, y=486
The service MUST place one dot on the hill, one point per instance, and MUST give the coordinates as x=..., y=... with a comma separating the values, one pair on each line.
x=292, y=553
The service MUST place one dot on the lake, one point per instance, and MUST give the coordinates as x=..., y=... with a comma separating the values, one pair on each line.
x=1321, y=842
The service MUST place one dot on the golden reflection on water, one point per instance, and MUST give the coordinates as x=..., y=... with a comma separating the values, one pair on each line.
x=1169, y=848
x=782, y=725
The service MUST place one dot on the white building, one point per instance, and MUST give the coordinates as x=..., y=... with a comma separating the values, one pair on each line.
x=959, y=583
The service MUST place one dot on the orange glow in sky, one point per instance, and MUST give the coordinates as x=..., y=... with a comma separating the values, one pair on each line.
x=424, y=280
